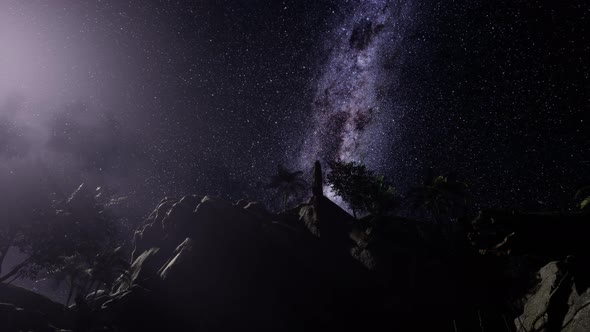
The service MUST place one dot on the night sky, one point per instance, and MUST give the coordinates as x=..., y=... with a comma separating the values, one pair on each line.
x=156, y=98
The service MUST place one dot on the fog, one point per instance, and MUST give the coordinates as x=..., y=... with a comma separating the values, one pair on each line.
x=66, y=114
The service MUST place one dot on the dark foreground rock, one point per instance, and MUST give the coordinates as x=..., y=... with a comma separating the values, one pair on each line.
x=15, y=319
x=534, y=267
x=206, y=264
x=24, y=310
x=209, y=265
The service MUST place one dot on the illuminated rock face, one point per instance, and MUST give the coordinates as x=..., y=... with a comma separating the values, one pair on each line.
x=557, y=302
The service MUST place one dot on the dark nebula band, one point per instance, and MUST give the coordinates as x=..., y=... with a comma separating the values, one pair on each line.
x=349, y=109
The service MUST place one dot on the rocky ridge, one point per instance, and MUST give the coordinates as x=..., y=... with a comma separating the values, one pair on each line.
x=204, y=263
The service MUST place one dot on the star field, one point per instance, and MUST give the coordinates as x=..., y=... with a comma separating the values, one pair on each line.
x=160, y=98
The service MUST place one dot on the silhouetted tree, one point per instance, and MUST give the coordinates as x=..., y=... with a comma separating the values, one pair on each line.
x=442, y=196
x=83, y=276
x=24, y=199
x=22, y=234
x=287, y=183
x=361, y=188
x=107, y=267
x=64, y=241
x=382, y=197
x=9, y=235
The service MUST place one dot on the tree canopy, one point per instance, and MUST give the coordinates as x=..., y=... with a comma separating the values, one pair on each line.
x=442, y=196
x=361, y=189
x=288, y=183
x=67, y=237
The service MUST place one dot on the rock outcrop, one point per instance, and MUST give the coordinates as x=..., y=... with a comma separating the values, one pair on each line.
x=534, y=266
x=204, y=263
x=209, y=264
x=558, y=302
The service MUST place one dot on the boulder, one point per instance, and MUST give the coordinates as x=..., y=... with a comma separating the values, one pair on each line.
x=536, y=315
x=577, y=318
x=558, y=302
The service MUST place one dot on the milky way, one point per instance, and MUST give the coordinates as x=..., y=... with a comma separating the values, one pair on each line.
x=157, y=98
x=349, y=108
x=168, y=98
